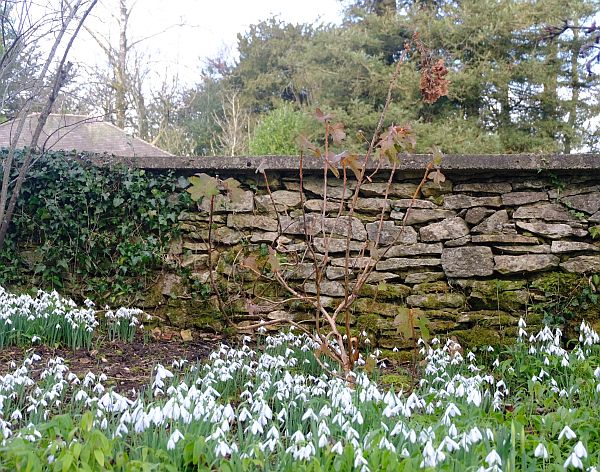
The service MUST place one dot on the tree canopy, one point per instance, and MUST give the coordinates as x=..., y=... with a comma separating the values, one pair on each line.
x=523, y=78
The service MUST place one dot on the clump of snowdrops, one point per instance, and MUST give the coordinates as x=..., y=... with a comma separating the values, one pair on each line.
x=532, y=406
x=51, y=319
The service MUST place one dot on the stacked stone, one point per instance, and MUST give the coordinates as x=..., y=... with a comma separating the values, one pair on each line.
x=464, y=255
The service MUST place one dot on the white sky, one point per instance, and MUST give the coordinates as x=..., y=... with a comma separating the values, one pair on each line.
x=210, y=27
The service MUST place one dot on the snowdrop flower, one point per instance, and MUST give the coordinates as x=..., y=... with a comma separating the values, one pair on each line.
x=474, y=397
x=223, y=449
x=174, y=439
x=493, y=458
x=573, y=461
x=567, y=433
x=338, y=448
x=541, y=451
x=579, y=450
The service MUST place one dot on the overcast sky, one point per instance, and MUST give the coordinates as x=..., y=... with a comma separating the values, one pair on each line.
x=210, y=27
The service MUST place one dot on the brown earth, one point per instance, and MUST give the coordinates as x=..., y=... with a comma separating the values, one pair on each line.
x=127, y=365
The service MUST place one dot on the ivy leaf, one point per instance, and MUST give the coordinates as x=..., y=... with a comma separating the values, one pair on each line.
x=306, y=145
x=370, y=364
x=182, y=182
x=117, y=202
x=202, y=186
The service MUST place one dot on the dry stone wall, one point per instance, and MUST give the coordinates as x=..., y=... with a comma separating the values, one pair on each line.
x=476, y=253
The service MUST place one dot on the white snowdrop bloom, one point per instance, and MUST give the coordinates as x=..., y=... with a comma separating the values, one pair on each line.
x=223, y=449
x=564, y=362
x=541, y=451
x=16, y=415
x=244, y=415
x=325, y=411
x=474, y=435
x=359, y=460
x=567, y=432
x=273, y=433
x=228, y=412
x=493, y=458
x=579, y=450
x=338, y=448
x=431, y=457
x=474, y=397
x=597, y=372
x=573, y=461
x=384, y=443
x=449, y=444
x=298, y=437
x=309, y=415
x=175, y=437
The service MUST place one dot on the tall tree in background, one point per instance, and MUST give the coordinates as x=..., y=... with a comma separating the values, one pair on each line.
x=122, y=88
x=512, y=89
x=22, y=32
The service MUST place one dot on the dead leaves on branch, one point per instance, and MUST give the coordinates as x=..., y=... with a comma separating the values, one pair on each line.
x=433, y=84
x=396, y=140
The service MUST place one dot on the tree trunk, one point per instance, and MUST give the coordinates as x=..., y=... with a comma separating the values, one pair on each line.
x=121, y=67
x=571, y=131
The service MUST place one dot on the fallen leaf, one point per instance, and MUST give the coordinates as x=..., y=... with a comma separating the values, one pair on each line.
x=186, y=335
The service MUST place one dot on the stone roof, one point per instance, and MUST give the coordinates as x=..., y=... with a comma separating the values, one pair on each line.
x=81, y=133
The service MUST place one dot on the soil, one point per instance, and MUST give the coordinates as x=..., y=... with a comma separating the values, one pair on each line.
x=128, y=366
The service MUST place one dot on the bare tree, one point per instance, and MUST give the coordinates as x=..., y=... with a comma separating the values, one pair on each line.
x=24, y=30
x=124, y=86
x=233, y=123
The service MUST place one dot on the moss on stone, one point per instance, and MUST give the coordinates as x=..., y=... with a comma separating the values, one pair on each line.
x=398, y=356
x=365, y=305
x=512, y=300
x=448, y=315
x=369, y=322
x=557, y=283
x=431, y=287
x=478, y=336
x=436, y=301
x=397, y=381
x=385, y=291
x=489, y=318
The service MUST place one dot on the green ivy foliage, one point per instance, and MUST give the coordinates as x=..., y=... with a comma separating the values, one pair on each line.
x=93, y=232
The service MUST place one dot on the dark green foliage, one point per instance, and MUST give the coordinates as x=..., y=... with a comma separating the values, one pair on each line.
x=513, y=88
x=95, y=232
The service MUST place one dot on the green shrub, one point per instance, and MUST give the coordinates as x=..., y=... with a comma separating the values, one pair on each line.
x=277, y=132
